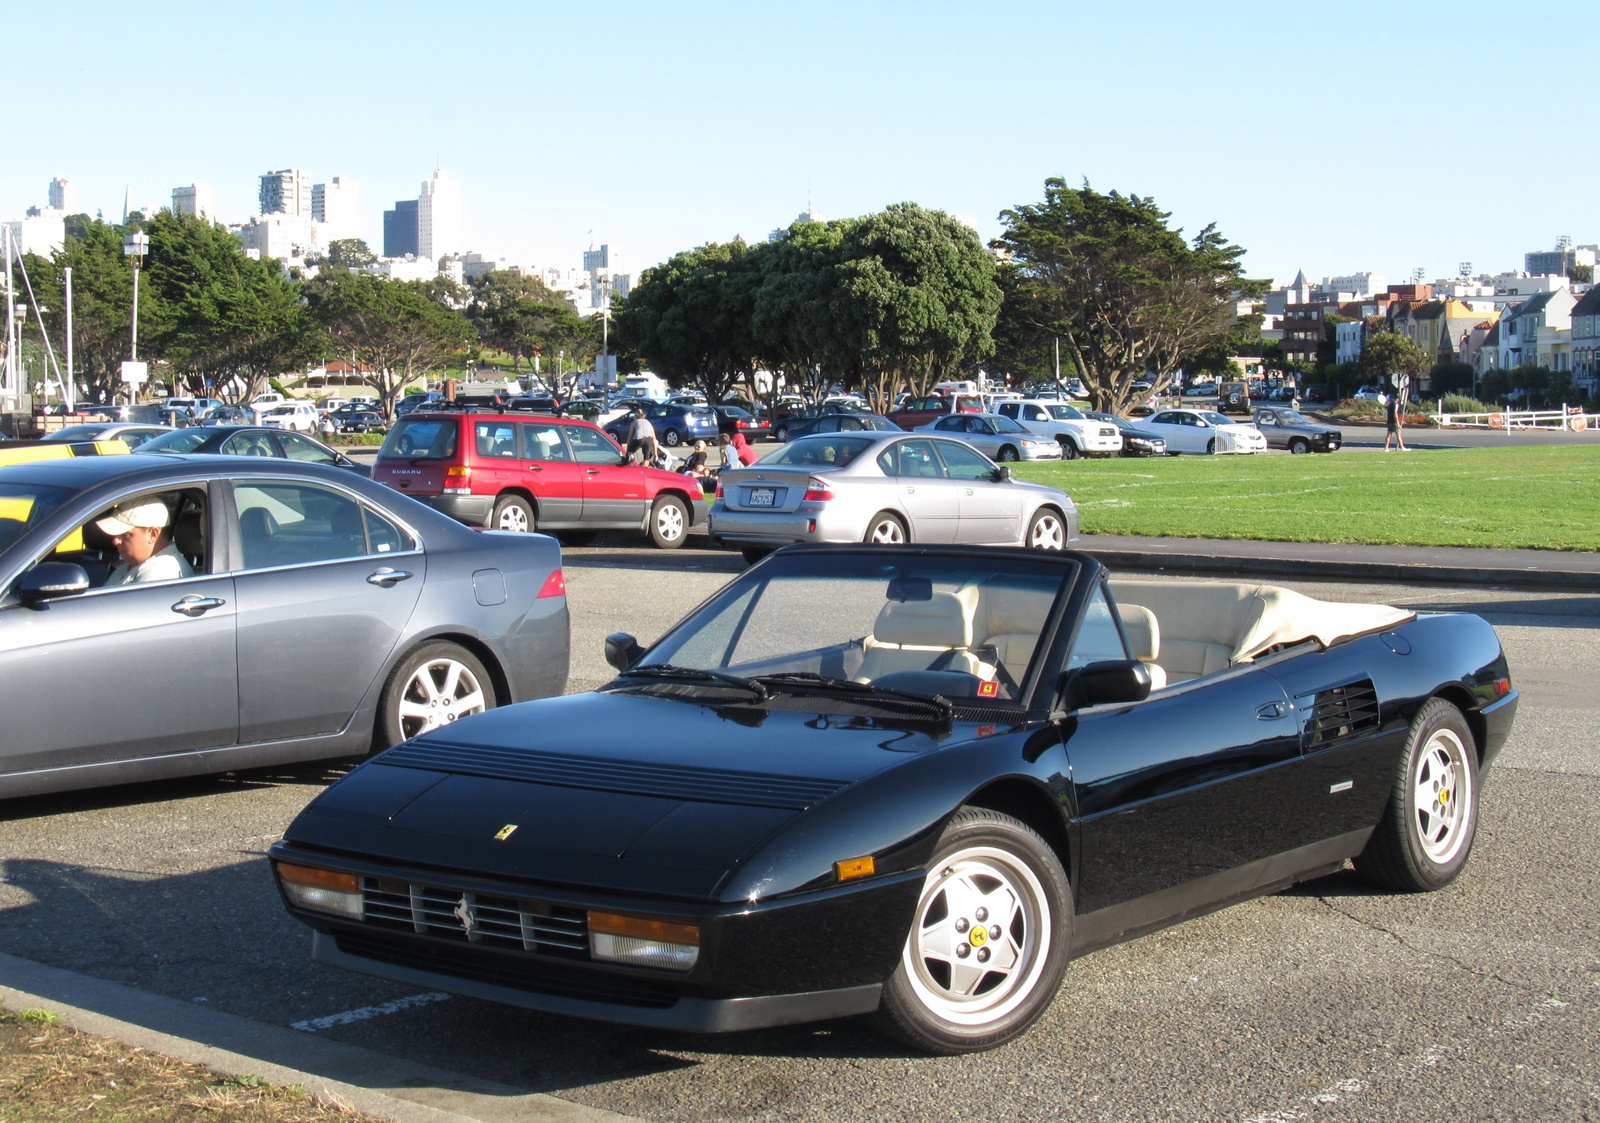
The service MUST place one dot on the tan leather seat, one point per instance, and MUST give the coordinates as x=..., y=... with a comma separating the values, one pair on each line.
x=1008, y=619
x=922, y=635
x=1144, y=637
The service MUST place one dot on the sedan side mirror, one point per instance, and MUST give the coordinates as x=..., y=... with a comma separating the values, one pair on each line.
x=49, y=580
x=622, y=650
x=1107, y=682
x=1001, y=473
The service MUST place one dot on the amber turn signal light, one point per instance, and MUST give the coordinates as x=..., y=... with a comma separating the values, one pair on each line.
x=319, y=879
x=852, y=868
x=613, y=924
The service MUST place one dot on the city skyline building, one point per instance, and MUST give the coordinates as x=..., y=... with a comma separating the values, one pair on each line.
x=336, y=206
x=199, y=199
x=400, y=229
x=63, y=195
x=441, y=217
x=286, y=192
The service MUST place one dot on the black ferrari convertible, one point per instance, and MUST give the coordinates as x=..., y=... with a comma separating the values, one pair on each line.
x=906, y=781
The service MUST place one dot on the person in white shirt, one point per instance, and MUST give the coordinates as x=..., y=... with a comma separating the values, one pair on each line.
x=145, y=550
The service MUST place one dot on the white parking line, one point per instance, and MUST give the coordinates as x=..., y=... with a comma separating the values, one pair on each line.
x=311, y=1025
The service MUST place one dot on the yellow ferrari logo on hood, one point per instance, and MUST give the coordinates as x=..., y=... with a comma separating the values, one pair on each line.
x=505, y=832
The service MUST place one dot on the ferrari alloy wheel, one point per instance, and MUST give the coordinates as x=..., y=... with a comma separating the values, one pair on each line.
x=1046, y=531
x=886, y=530
x=989, y=940
x=1007, y=455
x=436, y=684
x=669, y=522
x=1425, y=836
x=512, y=512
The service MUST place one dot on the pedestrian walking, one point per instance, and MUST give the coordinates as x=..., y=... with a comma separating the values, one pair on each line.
x=1393, y=420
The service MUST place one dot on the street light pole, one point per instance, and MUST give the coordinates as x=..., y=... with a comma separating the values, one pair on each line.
x=135, y=245
x=72, y=381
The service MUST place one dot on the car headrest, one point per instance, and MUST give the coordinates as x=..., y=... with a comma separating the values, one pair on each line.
x=188, y=534
x=942, y=621
x=1144, y=634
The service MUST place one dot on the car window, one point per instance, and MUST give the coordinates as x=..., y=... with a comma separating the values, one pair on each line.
x=1098, y=637
x=1005, y=425
x=812, y=451
x=963, y=463
x=591, y=446
x=282, y=523
x=22, y=505
x=1066, y=413
x=385, y=536
x=249, y=444
x=827, y=425
x=184, y=440
x=1166, y=419
x=917, y=460
x=423, y=438
x=495, y=439
x=543, y=442
x=296, y=447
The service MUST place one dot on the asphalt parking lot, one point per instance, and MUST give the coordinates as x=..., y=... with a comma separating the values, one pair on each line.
x=1328, y=1001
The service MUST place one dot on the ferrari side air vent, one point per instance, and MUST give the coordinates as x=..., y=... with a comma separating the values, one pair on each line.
x=702, y=785
x=1340, y=714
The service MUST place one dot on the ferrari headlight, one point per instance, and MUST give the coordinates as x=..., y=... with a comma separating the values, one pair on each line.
x=643, y=943
x=321, y=890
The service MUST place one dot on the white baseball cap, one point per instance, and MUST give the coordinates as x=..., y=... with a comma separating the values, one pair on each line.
x=150, y=513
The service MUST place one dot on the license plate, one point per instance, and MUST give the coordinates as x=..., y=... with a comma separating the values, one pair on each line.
x=762, y=497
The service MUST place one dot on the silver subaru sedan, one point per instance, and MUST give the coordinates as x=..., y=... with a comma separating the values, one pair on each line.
x=885, y=487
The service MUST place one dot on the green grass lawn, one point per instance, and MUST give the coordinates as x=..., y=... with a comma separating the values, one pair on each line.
x=1543, y=498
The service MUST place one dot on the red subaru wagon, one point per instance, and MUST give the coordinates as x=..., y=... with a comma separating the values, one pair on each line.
x=533, y=472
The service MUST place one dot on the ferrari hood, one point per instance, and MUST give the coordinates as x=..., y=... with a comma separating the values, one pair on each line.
x=612, y=791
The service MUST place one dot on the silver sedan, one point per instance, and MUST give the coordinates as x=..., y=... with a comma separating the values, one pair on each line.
x=885, y=487
x=999, y=438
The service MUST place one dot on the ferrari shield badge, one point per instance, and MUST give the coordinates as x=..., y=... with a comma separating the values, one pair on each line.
x=505, y=832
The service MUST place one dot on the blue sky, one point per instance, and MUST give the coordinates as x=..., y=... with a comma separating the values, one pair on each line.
x=1333, y=139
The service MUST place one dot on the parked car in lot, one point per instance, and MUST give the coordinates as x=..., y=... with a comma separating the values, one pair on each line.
x=131, y=435
x=1136, y=441
x=227, y=415
x=251, y=440
x=789, y=415
x=524, y=472
x=910, y=782
x=1233, y=397
x=1204, y=431
x=915, y=412
x=358, y=420
x=416, y=400
x=326, y=615
x=1369, y=394
x=302, y=417
x=674, y=424
x=797, y=427
x=1075, y=431
x=1293, y=430
x=754, y=426
x=999, y=438
x=888, y=487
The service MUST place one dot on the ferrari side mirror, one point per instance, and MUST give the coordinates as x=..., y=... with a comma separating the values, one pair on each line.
x=1107, y=682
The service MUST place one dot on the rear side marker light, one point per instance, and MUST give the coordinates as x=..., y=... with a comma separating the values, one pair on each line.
x=1502, y=686
x=554, y=586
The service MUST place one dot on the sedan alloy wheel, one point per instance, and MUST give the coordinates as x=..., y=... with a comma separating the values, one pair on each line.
x=437, y=684
x=886, y=530
x=1046, y=532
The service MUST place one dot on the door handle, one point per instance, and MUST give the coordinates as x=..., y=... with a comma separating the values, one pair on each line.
x=1270, y=711
x=388, y=578
x=969, y=491
x=594, y=471
x=535, y=467
x=193, y=605
x=911, y=491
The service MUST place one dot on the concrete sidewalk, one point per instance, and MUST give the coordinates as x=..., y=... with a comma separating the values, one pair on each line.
x=1571, y=571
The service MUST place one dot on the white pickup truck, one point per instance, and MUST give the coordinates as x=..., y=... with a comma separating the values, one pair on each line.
x=1064, y=423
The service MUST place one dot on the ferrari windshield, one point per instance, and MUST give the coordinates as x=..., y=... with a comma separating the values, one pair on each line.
x=960, y=627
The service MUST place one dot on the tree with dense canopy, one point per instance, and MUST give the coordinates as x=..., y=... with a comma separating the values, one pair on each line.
x=1126, y=294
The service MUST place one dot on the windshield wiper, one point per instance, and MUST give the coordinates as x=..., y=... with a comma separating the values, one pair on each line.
x=697, y=674
x=848, y=686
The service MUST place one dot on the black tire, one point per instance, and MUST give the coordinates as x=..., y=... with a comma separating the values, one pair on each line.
x=578, y=537
x=887, y=530
x=512, y=512
x=1069, y=451
x=433, y=686
x=1211, y=447
x=669, y=522
x=1299, y=445
x=672, y=438
x=1419, y=847
x=1008, y=455
x=1047, y=530
x=782, y=433
x=933, y=1001
x=753, y=554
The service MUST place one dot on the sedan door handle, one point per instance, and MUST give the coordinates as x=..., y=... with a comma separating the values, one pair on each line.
x=388, y=578
x=193, y=605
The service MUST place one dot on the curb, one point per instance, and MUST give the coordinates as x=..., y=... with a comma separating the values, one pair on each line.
x=1321, y=569
x=332, y=1072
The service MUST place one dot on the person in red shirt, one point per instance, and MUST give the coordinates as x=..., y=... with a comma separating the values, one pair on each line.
x=747, y=455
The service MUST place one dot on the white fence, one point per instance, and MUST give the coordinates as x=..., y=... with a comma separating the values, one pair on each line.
x=1565, y=419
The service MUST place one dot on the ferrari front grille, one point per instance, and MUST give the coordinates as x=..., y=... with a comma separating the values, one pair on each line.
x=478, y=918
x=1342, y=713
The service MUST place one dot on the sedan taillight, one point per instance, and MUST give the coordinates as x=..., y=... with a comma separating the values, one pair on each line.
x=817, y=491
x=719, y=490
x=554, y=586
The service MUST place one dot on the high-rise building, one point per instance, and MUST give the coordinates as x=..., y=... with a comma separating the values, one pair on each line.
x=196, y=199
x=336, y=205
x=441, y=218
x=286, y=192
x=400, y=229
x=63, y=195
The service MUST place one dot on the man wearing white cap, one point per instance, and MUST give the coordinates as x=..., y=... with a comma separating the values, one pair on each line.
x=144, y=547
